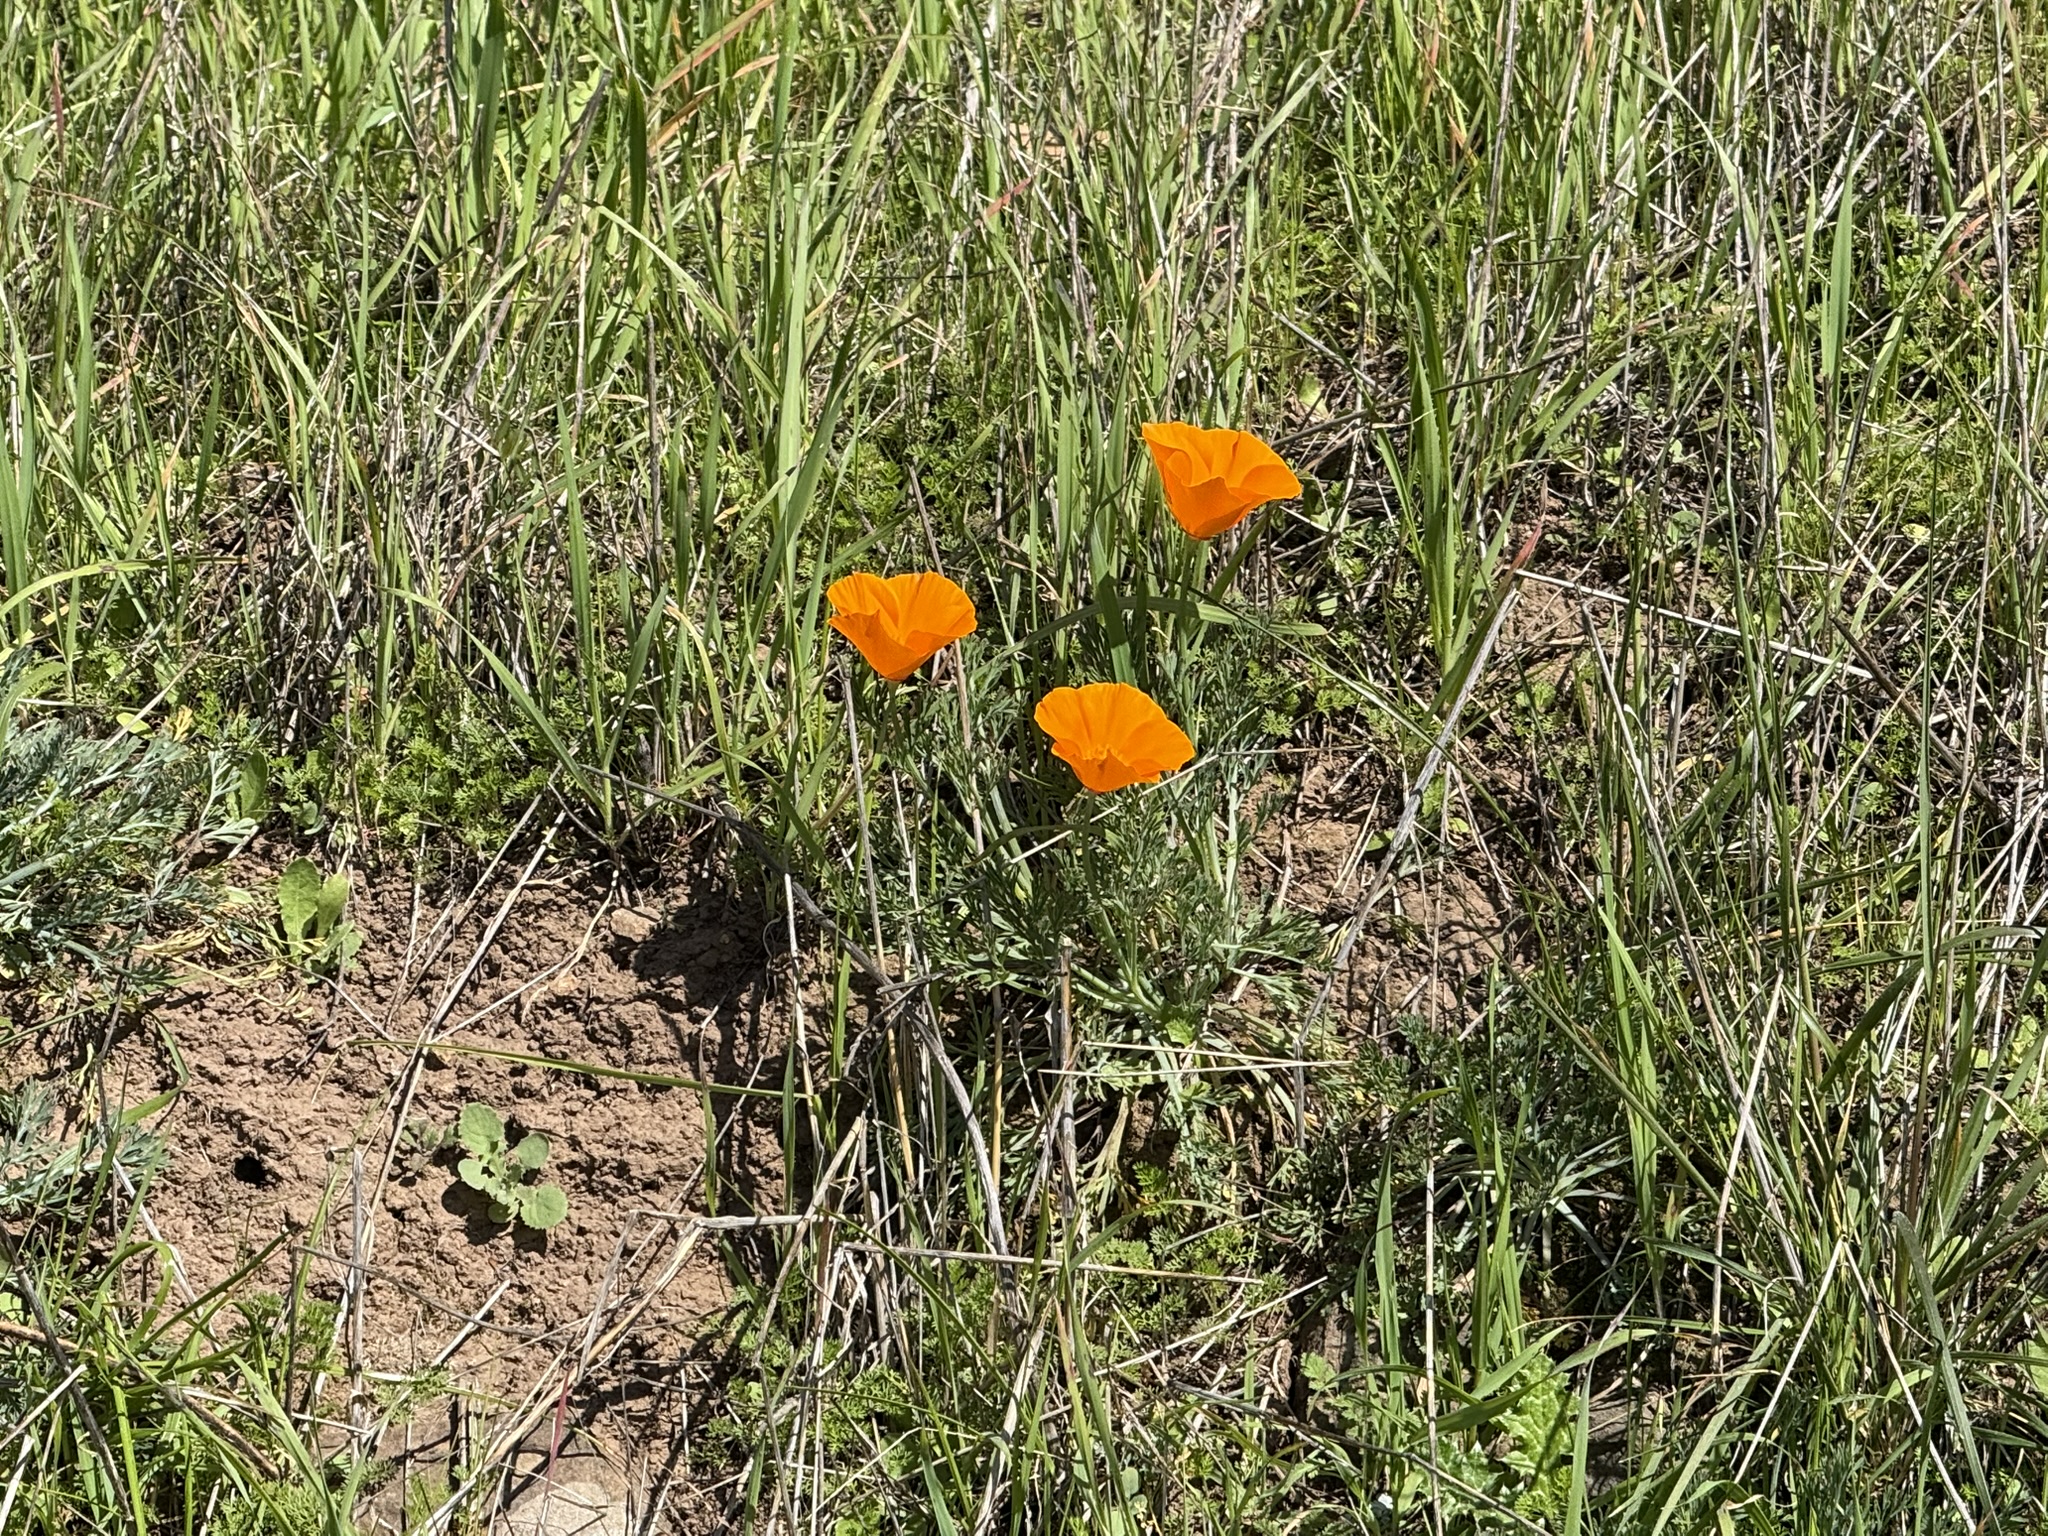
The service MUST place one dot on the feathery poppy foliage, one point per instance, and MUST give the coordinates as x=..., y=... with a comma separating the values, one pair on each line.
x=900, y=623
x=1112, y=735
x=1213, y=477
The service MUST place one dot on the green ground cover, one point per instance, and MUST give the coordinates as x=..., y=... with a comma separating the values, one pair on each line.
x=416, y=411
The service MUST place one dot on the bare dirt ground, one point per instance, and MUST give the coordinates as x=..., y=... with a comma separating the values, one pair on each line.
x=1447, y=915
x=290, y=1089
x=1435, y=930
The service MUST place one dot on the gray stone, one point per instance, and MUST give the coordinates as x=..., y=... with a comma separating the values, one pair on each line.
x=582, y=1500
x=632, y=925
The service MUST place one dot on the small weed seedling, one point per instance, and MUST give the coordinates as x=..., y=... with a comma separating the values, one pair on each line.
x=316, y=935
x=425, y=1138
x=499, y=1171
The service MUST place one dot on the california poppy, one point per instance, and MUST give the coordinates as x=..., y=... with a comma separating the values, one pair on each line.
x=1213, y=477
x=1112, y=734
x=899, y=624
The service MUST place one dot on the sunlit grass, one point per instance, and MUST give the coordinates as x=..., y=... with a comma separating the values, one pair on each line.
x=444, y=407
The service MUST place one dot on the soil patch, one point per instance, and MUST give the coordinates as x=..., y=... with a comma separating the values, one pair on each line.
x=290, y=1092
x=1434, y=933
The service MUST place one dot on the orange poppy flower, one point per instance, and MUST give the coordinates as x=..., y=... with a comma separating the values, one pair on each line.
x=1214, y=477
x=899, y=624
x=1112, y=734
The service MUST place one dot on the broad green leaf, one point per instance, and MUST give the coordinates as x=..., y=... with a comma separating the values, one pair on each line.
x=252, y=794
x=333, y=898
x=298, y=898
x=531, y=1152
x=136, y=1114
x=474, y=1174
x=543, y=1206
x=480, y=1128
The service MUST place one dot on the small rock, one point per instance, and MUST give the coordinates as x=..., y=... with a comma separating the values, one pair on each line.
x=631, y=924
x=585, y=1499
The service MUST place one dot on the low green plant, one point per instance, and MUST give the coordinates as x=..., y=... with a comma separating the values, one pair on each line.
x=424, y=1495
x=41, y=1170
x=425, y=1138
x=317, y=935
x=498, y=1169
x=97, y=834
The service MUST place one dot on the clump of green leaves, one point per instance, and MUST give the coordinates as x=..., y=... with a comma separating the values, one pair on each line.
x=41, y=1169
x=317, y=935
x=424, y=1137
x=499, y=1169
x=280, y=1508
x=93, y=835
x=280, y=1335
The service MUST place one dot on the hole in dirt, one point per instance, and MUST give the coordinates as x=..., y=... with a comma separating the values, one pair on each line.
x=252, y=1170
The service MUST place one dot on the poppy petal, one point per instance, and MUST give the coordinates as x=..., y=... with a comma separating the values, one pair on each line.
x=1059, y=715
x=899, y=624
x=1158, y=742
x=933, y=608
x=1112, y=735
x=1214, y=477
